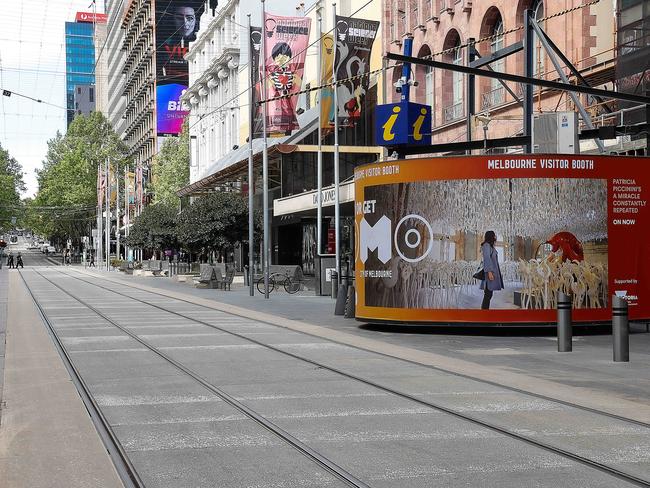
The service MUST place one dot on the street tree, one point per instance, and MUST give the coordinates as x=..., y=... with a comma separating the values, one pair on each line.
x=11, y=185
x=215, y=222
x=154, y=229
x=66, y=201
x=171, y=169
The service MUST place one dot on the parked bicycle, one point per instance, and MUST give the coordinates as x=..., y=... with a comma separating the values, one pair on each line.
x=291, y=285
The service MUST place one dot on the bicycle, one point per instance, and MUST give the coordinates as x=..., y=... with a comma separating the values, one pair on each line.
x=290, y=285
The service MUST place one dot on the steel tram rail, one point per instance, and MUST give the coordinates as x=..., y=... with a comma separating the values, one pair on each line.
x=488, y=425
x=383, y=354
x=307, y=451
x=121, y=461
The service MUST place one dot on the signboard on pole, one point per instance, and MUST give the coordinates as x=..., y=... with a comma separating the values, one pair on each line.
x=575, y=224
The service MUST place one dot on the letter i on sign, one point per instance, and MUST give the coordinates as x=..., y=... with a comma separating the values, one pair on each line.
x=417, y=126
x=389, y=135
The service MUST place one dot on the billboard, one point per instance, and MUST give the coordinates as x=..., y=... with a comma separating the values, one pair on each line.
x=354, y=39
x=535, y=224
x=91, y=17
x=283, y=66
x=177, y=22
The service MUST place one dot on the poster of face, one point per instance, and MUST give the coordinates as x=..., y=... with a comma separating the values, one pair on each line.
x=496, y=239
x=255, y=48
x=177, y=22
x=283, y=66
x=354, y=39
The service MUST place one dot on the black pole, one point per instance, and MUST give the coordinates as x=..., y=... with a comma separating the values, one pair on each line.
x=471, y=91
x=528, y=73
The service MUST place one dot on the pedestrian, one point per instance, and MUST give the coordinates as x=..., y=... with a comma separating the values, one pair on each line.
x=492, y=280
x=92, y=260
x=10, y=260
x=19, y=261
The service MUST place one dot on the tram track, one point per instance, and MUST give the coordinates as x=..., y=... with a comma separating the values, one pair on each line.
x=496, y=384
x=342, y=474
x=125, y=468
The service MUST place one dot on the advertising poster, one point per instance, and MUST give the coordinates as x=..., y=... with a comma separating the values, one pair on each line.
x=130, y=188
x=354, y=39
x=284, y=62
x=326, y=101
x=255, y=48
x=534, y=224
x=177, y=22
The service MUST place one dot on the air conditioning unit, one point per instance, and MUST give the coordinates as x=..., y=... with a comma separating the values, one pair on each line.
x=555, y=133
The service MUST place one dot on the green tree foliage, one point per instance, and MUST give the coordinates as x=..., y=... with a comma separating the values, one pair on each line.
x=67, y=195
x=154, y=229
x=172, y=168
x=11, y=185
x=215, y=222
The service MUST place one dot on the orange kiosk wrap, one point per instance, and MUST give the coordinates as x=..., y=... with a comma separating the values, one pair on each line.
x=572, y=223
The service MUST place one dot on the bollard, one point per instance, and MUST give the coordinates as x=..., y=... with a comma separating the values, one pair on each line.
x=341, y=296
x=564, y=327
x=620, y=330
x=335, y=284
x=246, y=275
x=350, y=304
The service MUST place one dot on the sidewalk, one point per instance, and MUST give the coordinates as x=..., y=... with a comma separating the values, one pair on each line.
x=526, y=357
x=47, y=439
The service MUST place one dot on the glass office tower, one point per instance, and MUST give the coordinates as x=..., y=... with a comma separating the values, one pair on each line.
x=79, y=61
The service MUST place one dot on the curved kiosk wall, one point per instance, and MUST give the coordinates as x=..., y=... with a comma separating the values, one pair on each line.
x=571, y=223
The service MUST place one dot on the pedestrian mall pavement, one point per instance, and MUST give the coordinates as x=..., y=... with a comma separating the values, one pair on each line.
x=523, y=357
x=47, y=438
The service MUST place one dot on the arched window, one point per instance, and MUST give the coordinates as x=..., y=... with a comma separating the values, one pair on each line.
x=424, y=77
x=453, y=86
x=496, y=44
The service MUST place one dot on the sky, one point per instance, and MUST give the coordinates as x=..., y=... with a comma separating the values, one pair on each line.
x=32, y=63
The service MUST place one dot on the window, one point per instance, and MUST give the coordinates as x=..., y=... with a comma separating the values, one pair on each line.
x=538, y=14
x=428, y=86
x=457, y=78
x=91, y=94
x=496, y=89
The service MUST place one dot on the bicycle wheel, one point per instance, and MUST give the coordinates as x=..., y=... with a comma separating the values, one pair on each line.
x=260, y=284
x=291, y=286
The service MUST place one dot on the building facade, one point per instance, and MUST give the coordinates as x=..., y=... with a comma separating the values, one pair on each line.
x=79, y=62
x=113, y=55
x=443, y=30
x=213, y=62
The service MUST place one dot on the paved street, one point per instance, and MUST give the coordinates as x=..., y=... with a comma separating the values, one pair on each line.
x=200, y=392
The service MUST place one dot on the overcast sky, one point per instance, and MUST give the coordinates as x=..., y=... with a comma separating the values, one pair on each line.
x=32, y=63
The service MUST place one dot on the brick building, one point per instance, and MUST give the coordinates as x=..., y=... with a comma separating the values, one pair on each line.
x=443, y=28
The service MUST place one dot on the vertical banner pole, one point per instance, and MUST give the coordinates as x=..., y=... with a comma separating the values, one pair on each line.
x=107, y=241
x=337, y=210
x=265, y=161
x=117, y=212
x=99, y=251
x=127, y=220
x=251, y=248
x=319, y=161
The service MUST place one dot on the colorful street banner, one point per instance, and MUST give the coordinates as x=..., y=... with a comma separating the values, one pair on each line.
x=536, y=225
x=354, y=39
x=326, y=97
x=101, y=188
x=254, y=49
x=138, y=188
x=130, y=188
x=284, y=61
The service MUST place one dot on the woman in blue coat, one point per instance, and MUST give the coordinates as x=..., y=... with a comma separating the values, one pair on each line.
x=493, y=279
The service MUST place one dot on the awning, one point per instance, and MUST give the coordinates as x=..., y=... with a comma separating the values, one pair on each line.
x=236, y=162
x=308, y=200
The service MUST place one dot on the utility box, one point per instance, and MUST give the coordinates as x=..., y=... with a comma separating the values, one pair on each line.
x=325, y=264
x=555, y=133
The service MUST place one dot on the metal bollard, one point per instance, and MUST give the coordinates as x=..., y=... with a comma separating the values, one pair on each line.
x=335, y=284
x=246, y=275
x=350, y=305
x=620, y=330
x=564, y=326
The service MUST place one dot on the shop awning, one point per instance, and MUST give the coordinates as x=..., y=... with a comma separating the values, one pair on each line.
x=308, y=200
x=236, y=162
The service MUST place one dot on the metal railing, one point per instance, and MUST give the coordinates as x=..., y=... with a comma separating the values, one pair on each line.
x=493, y=98
x=453, y=112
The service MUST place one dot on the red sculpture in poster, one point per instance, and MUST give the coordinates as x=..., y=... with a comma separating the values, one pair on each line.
x=569, y=244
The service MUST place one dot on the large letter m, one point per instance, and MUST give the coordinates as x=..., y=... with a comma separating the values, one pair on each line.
x=376, y=237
